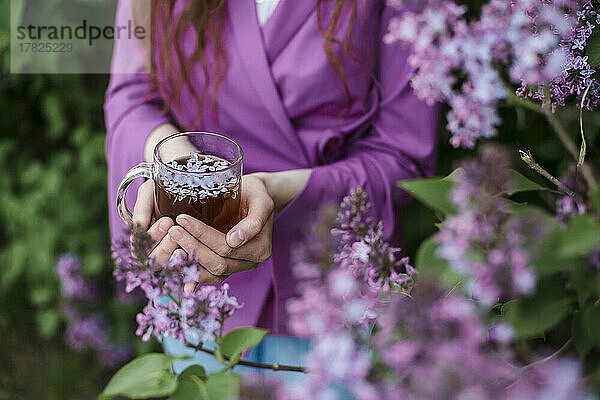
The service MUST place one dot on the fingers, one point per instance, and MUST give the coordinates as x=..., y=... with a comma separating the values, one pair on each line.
x=255, y=250
x=163, y=251
x=214, y=263
x=159, y=230
x=144, y=205
x=207, y=277
x=260, y=208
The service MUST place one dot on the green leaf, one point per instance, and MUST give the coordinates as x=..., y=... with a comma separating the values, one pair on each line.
x=223, y=386
x=190, y=387
x=219, y=355
x=146, y=376
x=546, y=259
x=428, y=264
x=47, y=321
x=592, y=49
x=530, y=319
x=533, y=316
x=580, y=238
x=582, y=342
x=235, y=359
x=584, y=281
x=433, y=192
x=55, y=115
x=520, y=183
x=194, y=370
x=585, y=328
x=240, y=339
x=41, y=295
x=595, y=198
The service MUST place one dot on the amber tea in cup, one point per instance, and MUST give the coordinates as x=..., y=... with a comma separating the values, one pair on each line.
x=204, y=182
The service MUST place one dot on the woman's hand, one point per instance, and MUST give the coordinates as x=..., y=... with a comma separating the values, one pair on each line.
x=143, y=215
x=242, y=248
x=164, y=246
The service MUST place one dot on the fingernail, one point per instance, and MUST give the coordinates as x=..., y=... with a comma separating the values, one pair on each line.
x=164, y=225
x=189, y=287
x=176, y=234
x=236, y=238
x=183, y=220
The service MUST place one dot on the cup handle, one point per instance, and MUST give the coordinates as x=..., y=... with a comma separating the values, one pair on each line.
x=142, y=170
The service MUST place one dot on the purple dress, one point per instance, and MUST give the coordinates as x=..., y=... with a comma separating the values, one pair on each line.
x=281, y=101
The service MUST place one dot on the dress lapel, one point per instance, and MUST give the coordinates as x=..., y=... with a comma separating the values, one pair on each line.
x=248, y=38
x=282, y=25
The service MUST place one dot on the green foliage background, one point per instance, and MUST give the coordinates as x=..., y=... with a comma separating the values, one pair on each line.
x=53, y=200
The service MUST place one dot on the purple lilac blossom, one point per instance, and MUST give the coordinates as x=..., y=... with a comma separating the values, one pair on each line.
x=338, y=358
x=363, y=250
x=426, y=344
x=196, y=316
x=482, y=221
x=595, y=257
x=462, y=62
x=568, y=207
x=337, y=305
x=501, y=333
x=435, y=346
x=576, y=73
x=85, y=330
x=91, y=332
x=74, y=285
x=557, y=379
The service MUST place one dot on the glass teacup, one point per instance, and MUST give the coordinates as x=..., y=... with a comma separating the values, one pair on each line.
x=203, y=181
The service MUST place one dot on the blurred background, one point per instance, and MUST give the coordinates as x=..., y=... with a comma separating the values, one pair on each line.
x=53, y=202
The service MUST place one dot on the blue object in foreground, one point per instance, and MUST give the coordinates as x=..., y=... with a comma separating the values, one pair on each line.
x=284, y=350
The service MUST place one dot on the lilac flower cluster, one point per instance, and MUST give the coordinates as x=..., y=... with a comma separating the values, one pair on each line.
x=364, y=251
x=374, y=343
x=68, y=269
x=460, y=61
x=200, y=163
x=197, y=186
x=195, y=315
x=336, y=361
x=557, y=379
x=595, y=258
x=482, y=221
x=569, y=206
x=92, y=332
x=433, y=344
x=85, y=330
x=337, y=305
x=576, y=72
x=366, y=268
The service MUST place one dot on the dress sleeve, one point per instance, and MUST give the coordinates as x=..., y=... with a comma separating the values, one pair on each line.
x=132, y=110
x=400, y=144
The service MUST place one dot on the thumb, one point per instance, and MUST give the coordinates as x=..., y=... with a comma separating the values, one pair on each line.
x=260, y=207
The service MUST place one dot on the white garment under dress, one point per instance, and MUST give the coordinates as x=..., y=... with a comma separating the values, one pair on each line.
x=265, y=8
